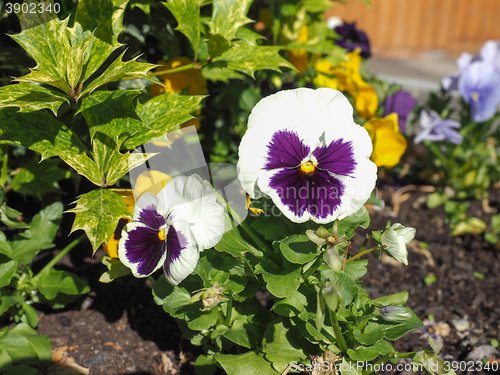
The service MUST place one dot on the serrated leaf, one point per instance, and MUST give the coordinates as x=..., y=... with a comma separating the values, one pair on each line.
x=45, y=39
x=111, y=163
x=162, y=114
x=187, y=14
x=44, y=134
x=105, y=19
x=228, y=16
x=28, y=97
x=248, y=59
x=118, y=70
x=112, y=113
x=97, y=213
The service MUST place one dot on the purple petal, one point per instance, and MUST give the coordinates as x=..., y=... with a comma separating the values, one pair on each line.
x=337, y=157
x=285, y=150
x=402, y=103
x=318, y=193
x=176, y=242
x=150, y=217
x=144, y=248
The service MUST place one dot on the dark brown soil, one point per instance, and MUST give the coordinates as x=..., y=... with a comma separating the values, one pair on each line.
x=118, y=329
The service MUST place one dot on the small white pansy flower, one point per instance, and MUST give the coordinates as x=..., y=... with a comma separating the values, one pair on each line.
x=395, y=238
x=303, y=149
x=171, y=228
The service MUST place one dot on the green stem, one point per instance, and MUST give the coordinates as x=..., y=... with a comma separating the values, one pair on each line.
x=61, y=254
x=338, y=333
x=437, y=153
x=405, y=354
x=364, y=252
x=255, y=237
x=176, y=70
x=229, y=310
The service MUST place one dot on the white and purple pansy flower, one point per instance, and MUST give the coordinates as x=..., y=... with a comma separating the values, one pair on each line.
x=171, y=228
x=303, y=149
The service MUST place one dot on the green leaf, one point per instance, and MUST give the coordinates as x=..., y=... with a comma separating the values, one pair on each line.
x=163, y=114
x=294, y=304
x=24, y=345
x=356, y=269
x=282, y=281
x=105, y=19
x=118, y=70
x=399, y=298
x=203, y=320
x=393, y=331
x=112, y=113
x=97, y=214
x=348, y=226
x=282, y=345
x=343, y=285
x=44, y=134
x=369, y=353
x=232, y=243
x=228, y=16
x=370, y=334
x=298, y=249
x=47, y=41
x=7, y=271
x=187, y=14
x=30, y=314
x=432, y=363
x=39, y=178
x=115, y=270
x=249, y=363
x=173, y=299
x=248, y=59
x=28, y=97
x=471, y=225
x=270, y=227
x=111, y=163
x=39, y=236
x=52, y=282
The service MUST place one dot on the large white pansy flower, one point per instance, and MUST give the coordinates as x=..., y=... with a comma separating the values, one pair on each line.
x=171, y=228
x=303, y=149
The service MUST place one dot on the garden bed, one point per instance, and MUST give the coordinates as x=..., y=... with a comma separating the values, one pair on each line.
x=117, y=328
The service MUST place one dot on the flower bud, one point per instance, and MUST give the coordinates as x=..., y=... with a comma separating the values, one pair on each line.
x=313, y=237
x=330, y=297
x=395, y=238
x=212, y=297
x=333, y=259
x=394, y=313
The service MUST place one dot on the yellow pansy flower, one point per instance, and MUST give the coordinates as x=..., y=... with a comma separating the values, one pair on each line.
x=388, y=143
x=190, y=80
x=346, y=76
x=300, y=57
x=366, y=100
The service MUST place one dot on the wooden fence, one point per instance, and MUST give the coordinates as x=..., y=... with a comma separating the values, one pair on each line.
x=403, y=28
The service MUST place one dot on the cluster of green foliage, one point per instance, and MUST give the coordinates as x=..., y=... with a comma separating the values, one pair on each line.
x=21, y=288
x=297, y=295
x=254, y=305
x=463, y=172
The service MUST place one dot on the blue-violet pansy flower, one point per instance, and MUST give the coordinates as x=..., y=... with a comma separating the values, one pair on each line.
x=171, y=228
x=303, y=149
x=434, y=128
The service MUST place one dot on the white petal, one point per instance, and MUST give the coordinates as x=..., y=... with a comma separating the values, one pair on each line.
x=145, y=200
x=178, y=269
x=310, y=113
x=194, y=201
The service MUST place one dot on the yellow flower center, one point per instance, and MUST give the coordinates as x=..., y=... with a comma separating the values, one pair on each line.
x=307, y=167
x=162, y=235
x=475, y=96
